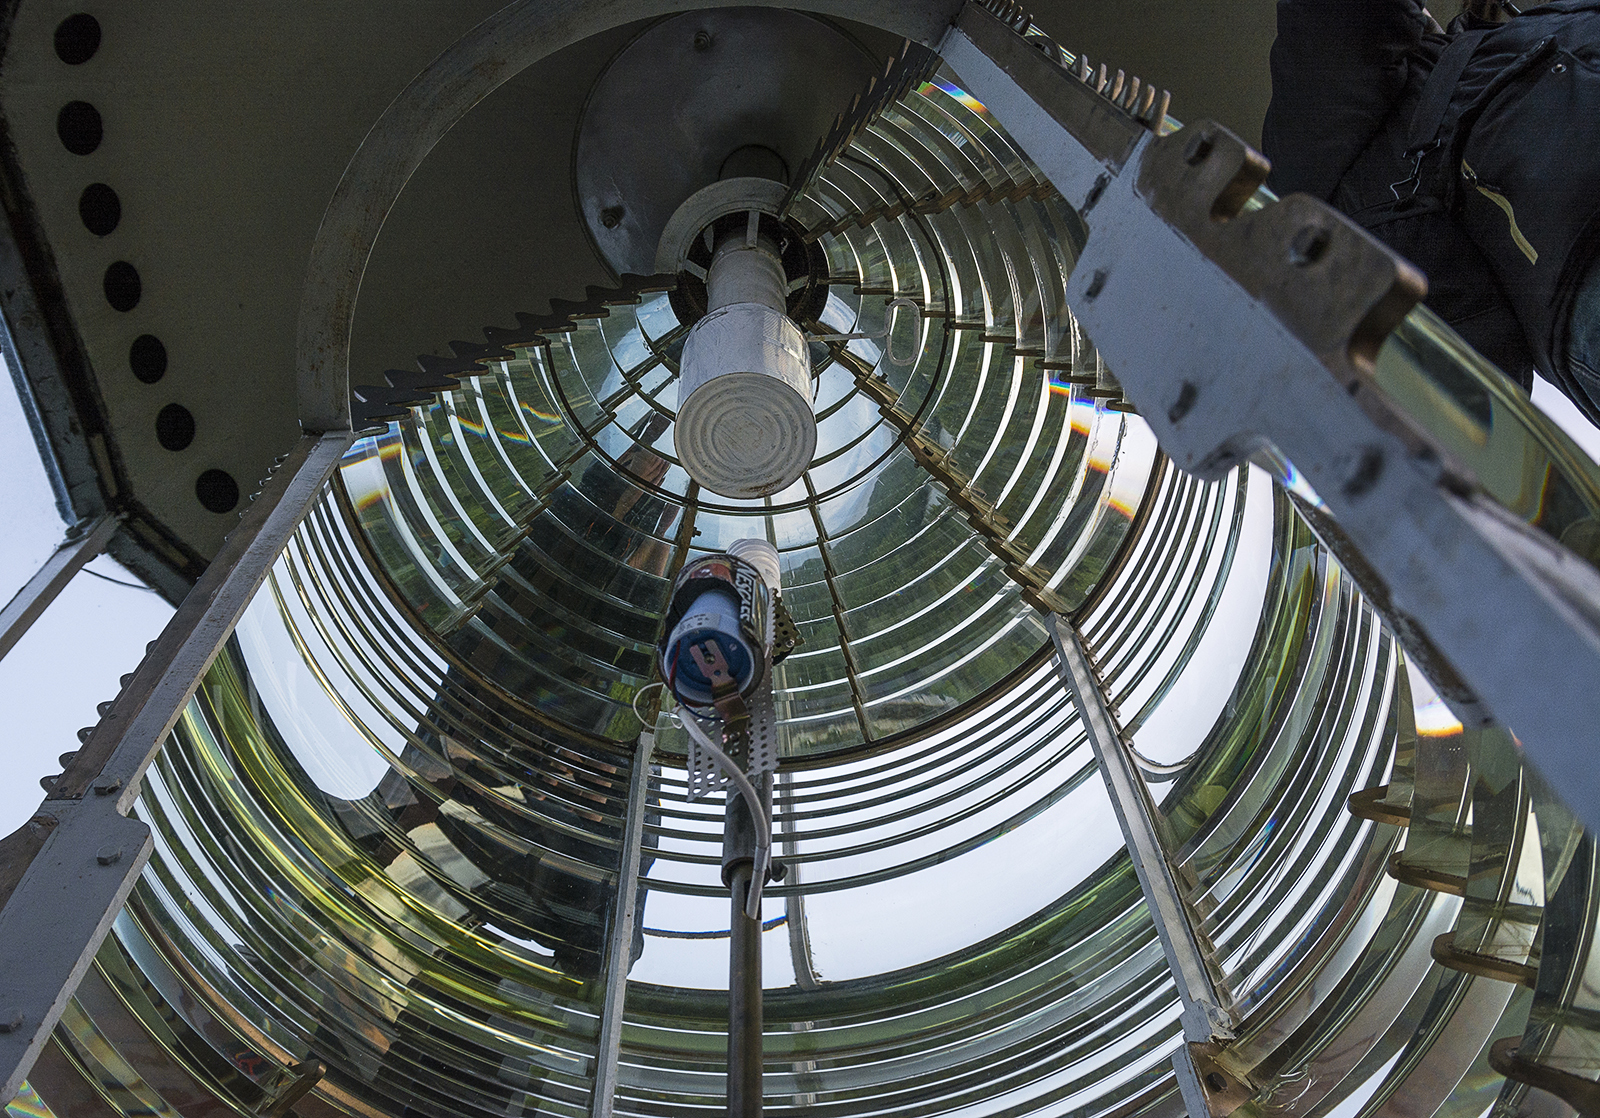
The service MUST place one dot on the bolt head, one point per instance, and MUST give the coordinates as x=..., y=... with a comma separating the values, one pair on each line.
x=109, y=855
x=107, y=786
x=1199, y=148
x=10, y=1020
x=1309, y=245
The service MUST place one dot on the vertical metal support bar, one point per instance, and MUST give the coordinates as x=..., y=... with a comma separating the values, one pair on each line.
x=65, y=874
x=620, y=948
x=745, y=1023
x=34, y=598
x=1206, y=1019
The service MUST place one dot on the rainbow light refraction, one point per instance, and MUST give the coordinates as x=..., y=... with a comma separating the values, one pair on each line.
x=966, y=99
x=363, y=470
x=28, y=1104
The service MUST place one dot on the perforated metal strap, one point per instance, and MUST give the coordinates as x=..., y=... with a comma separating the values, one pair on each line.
x=749, y=730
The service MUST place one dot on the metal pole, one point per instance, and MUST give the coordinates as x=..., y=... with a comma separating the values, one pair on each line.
x=1208, y=1022
x=65, y=874
x=620, y=948
x=745, y=1025
x=34, y=598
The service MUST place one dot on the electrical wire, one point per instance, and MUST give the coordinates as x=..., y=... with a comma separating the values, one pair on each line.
x=119, y=582
x=639, y=694
x=758, y=812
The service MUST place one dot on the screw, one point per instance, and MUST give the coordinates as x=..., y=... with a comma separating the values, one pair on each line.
x=1309, y=245
x=109, y=855
x=1097, y=284
x=702, y=40
x=611, y=216
x=1199, y=148
x=10, y=1020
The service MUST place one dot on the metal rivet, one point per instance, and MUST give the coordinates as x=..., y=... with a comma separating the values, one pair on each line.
x=1097, y=284
x=1199, y=148
x=107, y=786
x=1559, y=68
x=109, y=855
x=1309, y=245
x=1216, y=1082
x=10, y=1020
x=702, y=40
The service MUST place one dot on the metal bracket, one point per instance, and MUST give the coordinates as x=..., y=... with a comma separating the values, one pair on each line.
x=1447, y=954
x=749, y=730
x=1372, y=804
x=308, y=1073
x=1424, y=878
x=1203, y=1074
x=1583, y=1095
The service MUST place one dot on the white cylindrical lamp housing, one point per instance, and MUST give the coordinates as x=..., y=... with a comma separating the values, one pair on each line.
x=745, y=426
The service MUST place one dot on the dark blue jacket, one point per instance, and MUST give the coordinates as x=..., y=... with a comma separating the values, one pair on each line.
x=1488, y=178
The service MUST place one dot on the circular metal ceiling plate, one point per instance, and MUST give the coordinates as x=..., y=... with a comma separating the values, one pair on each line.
x=696, y=98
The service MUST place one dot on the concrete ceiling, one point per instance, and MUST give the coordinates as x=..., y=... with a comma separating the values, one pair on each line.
x=225, y=127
